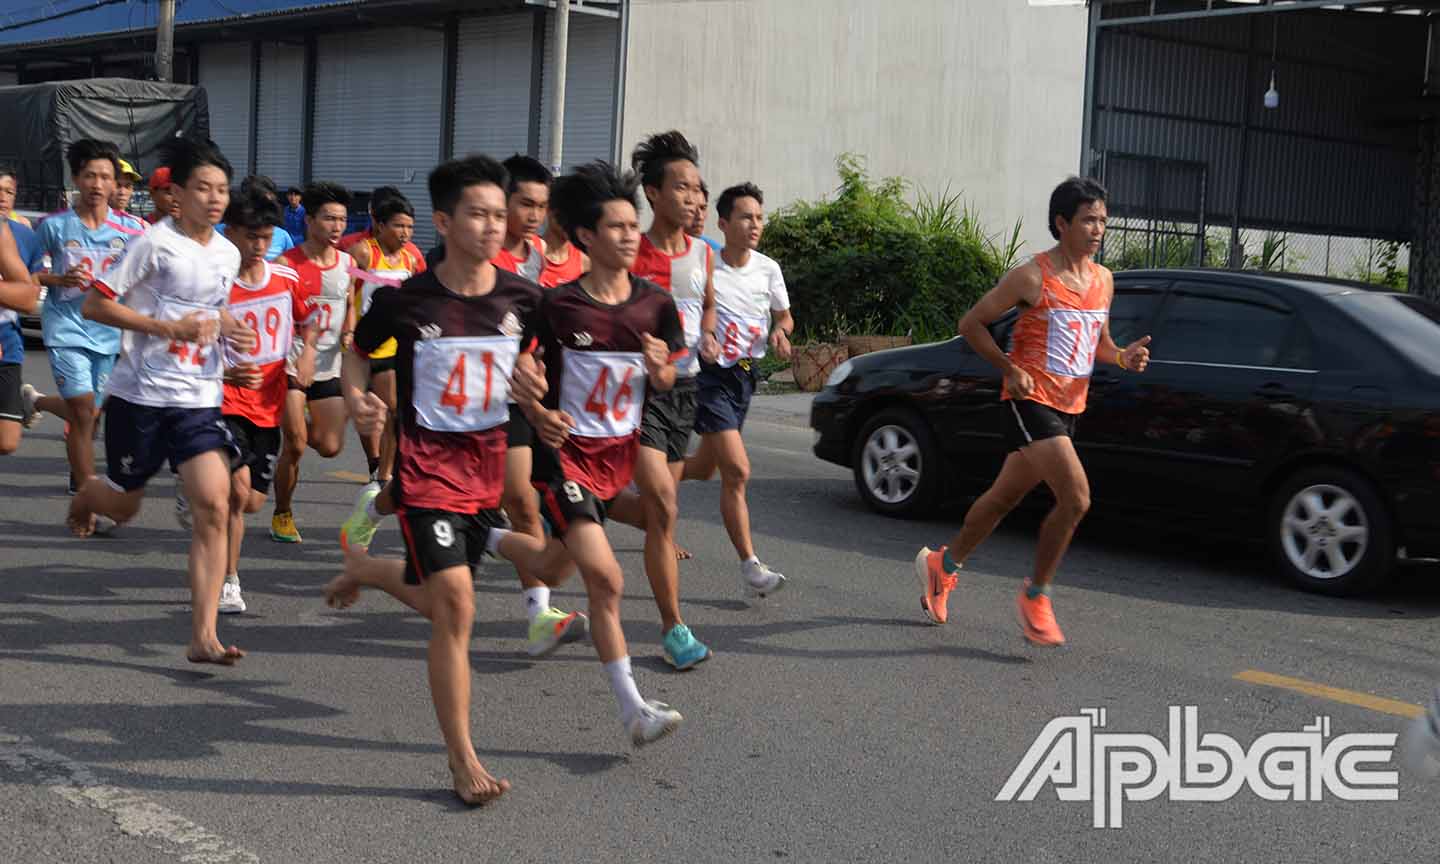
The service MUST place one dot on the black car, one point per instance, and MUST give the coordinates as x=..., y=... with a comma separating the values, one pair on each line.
x=1302, y=410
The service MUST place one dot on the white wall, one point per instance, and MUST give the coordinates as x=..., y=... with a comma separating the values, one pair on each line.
x=986, y=96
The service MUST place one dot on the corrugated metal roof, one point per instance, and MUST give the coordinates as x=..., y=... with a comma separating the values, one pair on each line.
x=133, y=15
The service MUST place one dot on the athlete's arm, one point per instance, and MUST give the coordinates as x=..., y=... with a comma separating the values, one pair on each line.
x=107, y=310
x=18, y=292
x=367, y=408
x=709, y=348
x=780, y=333
x=1133, y=357
x=658, y=367
x=242, y=338
x=1019, y=287
x=305, y=363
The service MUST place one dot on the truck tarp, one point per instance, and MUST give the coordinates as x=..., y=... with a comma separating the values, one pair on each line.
x=136, y=115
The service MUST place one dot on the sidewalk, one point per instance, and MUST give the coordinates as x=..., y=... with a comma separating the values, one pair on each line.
x=789, y=409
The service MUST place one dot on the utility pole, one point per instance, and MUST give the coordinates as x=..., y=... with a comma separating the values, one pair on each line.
x=557, y=82
x=165, y=41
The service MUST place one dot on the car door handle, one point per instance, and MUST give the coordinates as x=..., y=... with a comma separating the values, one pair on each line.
x=1274, y=391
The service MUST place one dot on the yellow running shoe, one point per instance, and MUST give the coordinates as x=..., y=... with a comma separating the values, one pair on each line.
x=282, y=528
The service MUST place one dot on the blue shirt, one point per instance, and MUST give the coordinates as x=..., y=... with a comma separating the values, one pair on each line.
x=280, y=242
x=69, y=242
x=295, y=223
x=713, y=244
x=12, y=344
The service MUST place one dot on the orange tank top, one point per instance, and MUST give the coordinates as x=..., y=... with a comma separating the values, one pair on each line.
x=1055, y=340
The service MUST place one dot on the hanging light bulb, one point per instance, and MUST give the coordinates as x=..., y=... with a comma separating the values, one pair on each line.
x=1272, y=96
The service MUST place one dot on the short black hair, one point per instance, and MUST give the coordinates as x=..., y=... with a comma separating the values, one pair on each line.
x=579, y=198
x=260, y=183
x=726, y=204
x=293, y=190
x=1072, y=194
x=450, y=179
x=704, y=191
x=525, y=169
x=254, y=207
x=654, y=153
x=322, y=192
x=84, y=150
x=379, y=194
x=184, y=155
x=390, y=205
x=8, y=170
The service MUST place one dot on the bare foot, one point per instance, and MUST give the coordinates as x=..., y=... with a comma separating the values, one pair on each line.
x=216, y=653
x=342, y=591
x=681, y=553
x=475, y=785
x=80, y=523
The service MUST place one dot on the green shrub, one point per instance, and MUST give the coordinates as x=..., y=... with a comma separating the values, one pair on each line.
x=867, y=261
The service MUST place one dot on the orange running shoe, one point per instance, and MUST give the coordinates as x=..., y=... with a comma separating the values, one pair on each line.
x=1037, y=618
x=935, y=583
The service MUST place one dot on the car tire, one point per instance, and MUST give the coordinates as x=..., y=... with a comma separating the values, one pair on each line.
x=1330, y=532
x=896, y=463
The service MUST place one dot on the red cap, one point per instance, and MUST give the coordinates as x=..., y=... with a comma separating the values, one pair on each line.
x=160, y=177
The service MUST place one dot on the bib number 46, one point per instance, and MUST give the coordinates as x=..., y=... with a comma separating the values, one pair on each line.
x=600, y=403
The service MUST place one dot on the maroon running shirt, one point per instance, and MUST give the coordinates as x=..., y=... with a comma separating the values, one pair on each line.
x=453, y=361
x=596, y=374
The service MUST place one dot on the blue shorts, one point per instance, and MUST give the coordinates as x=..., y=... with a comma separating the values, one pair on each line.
x=79, y=371
x=724, y=398
x=139, y=438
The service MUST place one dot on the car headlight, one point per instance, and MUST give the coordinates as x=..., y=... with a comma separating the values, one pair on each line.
x=840, y=373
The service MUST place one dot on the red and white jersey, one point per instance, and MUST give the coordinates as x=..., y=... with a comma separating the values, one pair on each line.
x=684, y=276
x=272, y=308
x=596, y=374
x=572, y=268
x=531, y=266
x=1055, y=340
x=327, y=294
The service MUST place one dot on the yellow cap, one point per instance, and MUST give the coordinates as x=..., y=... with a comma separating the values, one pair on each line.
x=129, y=171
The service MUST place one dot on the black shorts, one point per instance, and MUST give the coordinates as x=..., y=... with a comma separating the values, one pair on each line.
x=139, y=439
x=723, y=398
x=1029, y=422
x=563, y=502
x=329, y=389
x=258, y=447
x=437, y=540
x=12, y=407
x=519, y=432
x=668, y=420
x=382, y=364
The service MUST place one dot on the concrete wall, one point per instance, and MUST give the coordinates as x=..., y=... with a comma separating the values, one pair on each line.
x=983, y=95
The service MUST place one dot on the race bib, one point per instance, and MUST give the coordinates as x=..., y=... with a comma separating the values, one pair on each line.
x=270, y=318
x=94, y=261
x=462, y=382
x=690, y=313
x=370, y=282
x=171, y=358
x=329, y=316
x=740, y=336
x=604, y=391
x=1071, y=340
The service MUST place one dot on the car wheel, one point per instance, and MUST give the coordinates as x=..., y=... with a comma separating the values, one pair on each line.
x=1330, y=533
x=896, y=463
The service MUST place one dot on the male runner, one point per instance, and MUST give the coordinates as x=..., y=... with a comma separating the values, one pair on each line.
x=125, y=182
x=668, y=169
x=563, y=262
x=1063, y=329
x=459, y=329
x=529, y=198
x=295, y=215
x=9, y=191
x=162, y=195
x=18, y=293
x=325, y=277
x=696, y=228
x=749, y=292
x=83, y=243
x=168, y=293
x=267, y=299
x=608, y=339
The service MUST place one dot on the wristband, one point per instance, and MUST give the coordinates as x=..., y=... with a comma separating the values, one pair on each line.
x=1120, y=360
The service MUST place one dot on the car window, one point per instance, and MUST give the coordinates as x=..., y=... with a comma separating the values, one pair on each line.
x=1229, y=326
x=1409, y=324
x=1132, y=311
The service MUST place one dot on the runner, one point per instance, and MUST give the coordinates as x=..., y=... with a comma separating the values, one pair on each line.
x=563, y=262
x=18, y=293
x=458, y=329
x=162, y=195
x=599, y=336
x=9, y=191
x=696, y=228
x=668, y=257
x=125, y=181
x=83, y=243
x=295, y=215
x=325, y=278
x=385, y=257
x=527, y=202
x=168, y=294
x=267, y=299
x=280, y=242
x=1063, y=330
x=749, y=292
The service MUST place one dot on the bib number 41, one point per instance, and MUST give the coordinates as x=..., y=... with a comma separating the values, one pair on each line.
x=454, y=395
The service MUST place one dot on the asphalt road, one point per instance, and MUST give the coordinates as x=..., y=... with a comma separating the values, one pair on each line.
x=832, y=724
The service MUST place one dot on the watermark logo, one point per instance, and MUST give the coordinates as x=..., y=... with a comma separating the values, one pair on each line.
x=1108, y=769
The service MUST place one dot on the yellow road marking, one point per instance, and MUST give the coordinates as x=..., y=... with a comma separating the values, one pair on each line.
x=352, y=476
x=1334, y=694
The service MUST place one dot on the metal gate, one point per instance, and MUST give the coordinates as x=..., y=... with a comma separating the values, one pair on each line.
x=1157, y=213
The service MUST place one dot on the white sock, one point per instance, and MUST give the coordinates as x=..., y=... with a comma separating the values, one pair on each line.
x=622, y=681
x=752, y=561
x=233, y=578
x=492, y=540
x=537, y=600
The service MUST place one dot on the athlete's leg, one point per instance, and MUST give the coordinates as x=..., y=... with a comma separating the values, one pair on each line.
x=9, y=436
x=384, y=574
x=1017, y=477
x=658, y=503
x=240, y=499
x=1055, y=461
x=96, y=496
x=383, y=385
x=294, y=436
x=327, y=426
x=521, y=505
x=604, y=583
x=729, y=453
x=207, y=486
x=706, y=461
x=80, y=443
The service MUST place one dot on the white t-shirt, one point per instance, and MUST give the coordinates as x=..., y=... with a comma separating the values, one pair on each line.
x=166, y=275
x=744, y=298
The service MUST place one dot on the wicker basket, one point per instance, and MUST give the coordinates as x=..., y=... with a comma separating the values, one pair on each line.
x=812, y=364
x=858, y=345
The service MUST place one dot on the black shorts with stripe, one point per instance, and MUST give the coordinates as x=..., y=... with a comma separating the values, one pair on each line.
x=437, y=540
x=563, y=502
x=1028, y=422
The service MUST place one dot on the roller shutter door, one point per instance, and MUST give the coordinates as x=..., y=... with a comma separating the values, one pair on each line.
x=280, y=118
x=589, y=90
x=225, y=75
x=492, y=85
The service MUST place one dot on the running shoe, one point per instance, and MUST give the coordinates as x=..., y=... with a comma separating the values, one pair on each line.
x=282, y=528
x=682, y=649
x=759, y=579
x=359, y=528
x=231, y=603
x=28, y=395
x=935, y=583
x=1420, y=745
x=652, y=722
x=104, y=525
x=182, y=509
x=1037, y=618
x=553, y=628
